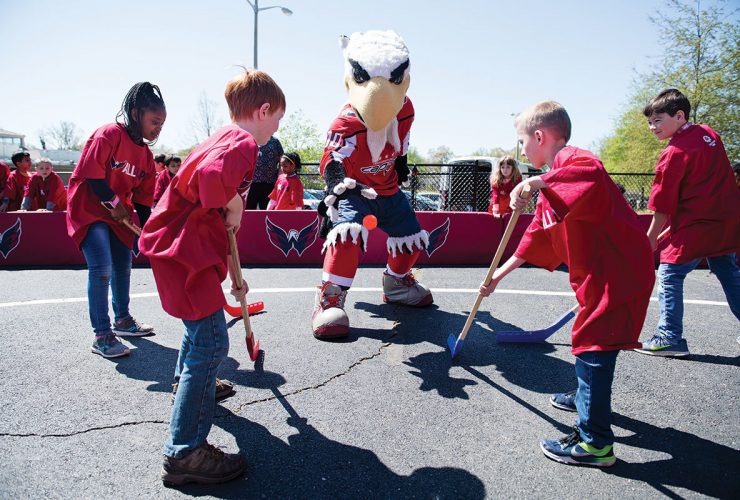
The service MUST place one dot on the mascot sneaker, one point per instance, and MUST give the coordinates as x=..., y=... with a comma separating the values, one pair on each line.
x=405, y=291
x=329, y=321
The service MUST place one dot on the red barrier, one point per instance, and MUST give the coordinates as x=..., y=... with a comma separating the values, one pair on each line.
x=275, y=237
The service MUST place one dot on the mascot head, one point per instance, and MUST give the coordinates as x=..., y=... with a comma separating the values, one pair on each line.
x=376, y=74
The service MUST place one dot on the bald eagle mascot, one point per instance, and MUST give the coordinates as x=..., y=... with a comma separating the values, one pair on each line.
x=363, y=165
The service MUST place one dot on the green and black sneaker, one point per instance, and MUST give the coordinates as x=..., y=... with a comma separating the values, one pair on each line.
x=572, y=450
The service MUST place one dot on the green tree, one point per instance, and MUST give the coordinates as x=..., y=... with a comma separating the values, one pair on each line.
x=701, y=57
x=415, y=157
x=300, y=134
x=440, y=154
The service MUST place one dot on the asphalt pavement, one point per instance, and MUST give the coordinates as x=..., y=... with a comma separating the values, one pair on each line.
x=384, y=414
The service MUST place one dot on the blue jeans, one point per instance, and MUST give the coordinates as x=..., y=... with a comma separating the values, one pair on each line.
x=204, y=346
x=595, y=373
x=108, y=264
x=670, y=291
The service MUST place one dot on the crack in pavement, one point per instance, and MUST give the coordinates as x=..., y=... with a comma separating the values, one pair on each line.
x=233, y=412
x=84, y=431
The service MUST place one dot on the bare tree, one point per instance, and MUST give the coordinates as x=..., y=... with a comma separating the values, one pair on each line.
x=206, y=121
x=65, y=135
x=440, y=154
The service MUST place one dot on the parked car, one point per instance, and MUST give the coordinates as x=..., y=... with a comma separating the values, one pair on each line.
x=312, y=198
x=423, y=204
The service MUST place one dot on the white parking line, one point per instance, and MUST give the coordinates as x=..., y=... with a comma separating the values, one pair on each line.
x=470, y=291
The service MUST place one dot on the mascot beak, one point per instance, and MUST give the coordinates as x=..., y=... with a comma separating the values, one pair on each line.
x=377, y=100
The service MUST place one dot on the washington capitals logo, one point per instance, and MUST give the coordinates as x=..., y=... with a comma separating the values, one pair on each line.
x=10, y=238
x=438, y=237
x=292, y=239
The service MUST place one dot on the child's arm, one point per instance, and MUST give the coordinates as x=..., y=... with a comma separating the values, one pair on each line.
x=656, y=226
x=26, y=203
x=233, y=212
x=511, y=264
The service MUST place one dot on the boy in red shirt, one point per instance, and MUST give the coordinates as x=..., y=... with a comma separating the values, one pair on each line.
x=583, y=220
x=186, y=243
x=12, y=196
x=288, y=192
x=165, y=176
x=45, y=189
x=696, y=200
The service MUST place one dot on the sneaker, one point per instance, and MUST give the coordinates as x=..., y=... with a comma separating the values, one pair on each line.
x=572, y=450
x=564, y=401
x=405, y=291
x=224, y=388
x=659, y=345
x=109, y=346
x=131, y=328
x=205, y=464
x=329, y=320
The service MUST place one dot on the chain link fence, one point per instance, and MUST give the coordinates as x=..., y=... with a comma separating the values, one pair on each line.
x=465, y=187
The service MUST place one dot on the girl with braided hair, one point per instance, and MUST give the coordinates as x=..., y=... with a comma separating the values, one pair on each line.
x=114, y=176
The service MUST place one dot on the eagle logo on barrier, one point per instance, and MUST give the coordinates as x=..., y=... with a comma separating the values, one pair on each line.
x=10, y=238
x=438, y=237
x=292, y=239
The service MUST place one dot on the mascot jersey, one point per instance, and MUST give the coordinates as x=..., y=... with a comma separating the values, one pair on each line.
x=346, y=143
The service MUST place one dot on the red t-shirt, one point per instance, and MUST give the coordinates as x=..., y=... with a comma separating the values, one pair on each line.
x=185, y=238
x=583, y=220
x=346, y=142
x=163, y=180
x=15, y=188
x=128, y=168
x=500, y=197
x=694, y=184
x=51, y=189
x=288, y=193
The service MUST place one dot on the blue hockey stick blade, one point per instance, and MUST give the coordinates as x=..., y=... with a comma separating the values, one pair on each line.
x=454, y=344
x=535, y=335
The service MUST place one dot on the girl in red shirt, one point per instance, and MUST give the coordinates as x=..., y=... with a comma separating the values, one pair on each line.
x=288, y=191
x=172, y=164
x=115, y=174
x=503, y=179
x=45, y=189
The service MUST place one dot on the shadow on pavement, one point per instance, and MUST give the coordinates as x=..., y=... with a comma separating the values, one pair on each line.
x=695, y=464
x=150, y=361
x=526, y=365
x=310, y=465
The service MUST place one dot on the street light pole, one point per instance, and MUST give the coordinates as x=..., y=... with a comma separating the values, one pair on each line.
x=257, y=9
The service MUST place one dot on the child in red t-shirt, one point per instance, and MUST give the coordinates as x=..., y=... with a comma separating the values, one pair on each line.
x=4, y=174
x=288, y=191
x=45, y=189
x=12, y=196
x=165, y=176
x=503, y=179
x=115, y=174
x=186, y=243
x=583, y=221
x=696, y=200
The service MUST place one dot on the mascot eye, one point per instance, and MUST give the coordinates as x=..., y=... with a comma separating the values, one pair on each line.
x=358, y=72
x=397, y=74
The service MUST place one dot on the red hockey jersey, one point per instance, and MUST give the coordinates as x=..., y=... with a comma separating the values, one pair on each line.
x=346, y=142
x=185, y=238
x=695, y=186
x=583, y=220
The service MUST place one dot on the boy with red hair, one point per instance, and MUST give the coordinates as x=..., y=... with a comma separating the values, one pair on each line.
x=583, y=220
x=186, y=243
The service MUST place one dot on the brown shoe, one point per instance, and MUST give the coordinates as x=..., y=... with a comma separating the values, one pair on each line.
x=205, y=464
x=224, y=388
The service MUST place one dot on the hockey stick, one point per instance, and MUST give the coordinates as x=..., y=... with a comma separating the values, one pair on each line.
x=536, y=335
x=455, y=344
x=253, y=346
x=252, y=309
x=133, y=227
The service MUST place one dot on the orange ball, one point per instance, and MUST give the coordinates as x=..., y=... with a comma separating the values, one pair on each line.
x=370, y=222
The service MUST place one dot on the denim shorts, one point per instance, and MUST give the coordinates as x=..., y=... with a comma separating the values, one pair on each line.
x=394, y=213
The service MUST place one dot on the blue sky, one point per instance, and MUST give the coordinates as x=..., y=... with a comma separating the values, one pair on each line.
x=473, y=63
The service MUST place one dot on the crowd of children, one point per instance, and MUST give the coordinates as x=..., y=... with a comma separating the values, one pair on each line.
x=581, y=220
